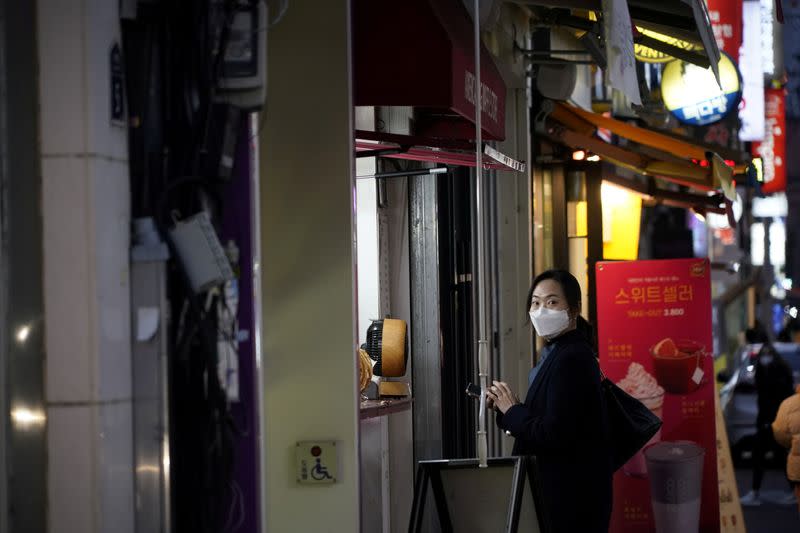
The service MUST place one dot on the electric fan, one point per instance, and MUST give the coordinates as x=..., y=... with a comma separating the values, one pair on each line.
x=387, y=345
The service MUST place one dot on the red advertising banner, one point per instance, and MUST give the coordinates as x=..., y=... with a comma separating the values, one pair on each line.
x=773, y=149
x=654, y=336
x=726, y=23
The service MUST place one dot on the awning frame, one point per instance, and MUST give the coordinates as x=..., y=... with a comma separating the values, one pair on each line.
x=683, y=174
x=442, y=151
x=706, y=203
x=658, y=154
x=676, y=24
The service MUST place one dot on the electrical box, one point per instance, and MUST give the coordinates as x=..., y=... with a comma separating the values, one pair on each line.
x=243, y=78
x=200, y=252
x=317, y=462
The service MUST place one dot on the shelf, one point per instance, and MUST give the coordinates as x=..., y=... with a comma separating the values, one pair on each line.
x=385, y=406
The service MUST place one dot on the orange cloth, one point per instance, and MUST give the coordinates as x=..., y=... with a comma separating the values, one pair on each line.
x=786, y=429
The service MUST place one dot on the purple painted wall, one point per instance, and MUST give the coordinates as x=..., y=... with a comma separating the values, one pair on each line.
x=236, y=225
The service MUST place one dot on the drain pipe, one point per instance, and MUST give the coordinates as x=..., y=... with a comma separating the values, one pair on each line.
x=480, y=270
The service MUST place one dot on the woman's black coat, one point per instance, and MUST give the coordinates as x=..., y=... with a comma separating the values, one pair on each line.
x=563, y=423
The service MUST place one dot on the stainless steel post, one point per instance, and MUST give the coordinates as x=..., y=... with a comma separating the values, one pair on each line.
x=480, y=270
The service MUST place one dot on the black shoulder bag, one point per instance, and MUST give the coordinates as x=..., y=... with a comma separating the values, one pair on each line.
x=631, y=423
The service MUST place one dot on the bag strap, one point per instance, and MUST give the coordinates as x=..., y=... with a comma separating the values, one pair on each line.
x=602, y=374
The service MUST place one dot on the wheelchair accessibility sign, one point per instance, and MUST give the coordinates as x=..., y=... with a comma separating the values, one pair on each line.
x=317, y=462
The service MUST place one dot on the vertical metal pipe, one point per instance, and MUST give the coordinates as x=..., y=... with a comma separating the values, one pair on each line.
x=480, y=271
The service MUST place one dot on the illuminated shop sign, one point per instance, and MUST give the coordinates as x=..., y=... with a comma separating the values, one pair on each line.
x=726, y=23
x=751, y=112
x=772, y=150
x=767, y=41
x=649, y=55
x=691, y=93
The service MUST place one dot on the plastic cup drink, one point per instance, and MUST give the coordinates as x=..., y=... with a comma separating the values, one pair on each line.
x=676, y=479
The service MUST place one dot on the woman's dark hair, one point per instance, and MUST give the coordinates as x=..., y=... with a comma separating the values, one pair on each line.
x=768, y=349
x=572, y=292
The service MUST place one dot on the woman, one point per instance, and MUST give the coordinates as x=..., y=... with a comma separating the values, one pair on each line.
x=563, y=419
x=774, y=383
x=786, y=429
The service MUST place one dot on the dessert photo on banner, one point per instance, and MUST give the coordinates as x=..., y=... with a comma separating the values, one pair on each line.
x=654, y=334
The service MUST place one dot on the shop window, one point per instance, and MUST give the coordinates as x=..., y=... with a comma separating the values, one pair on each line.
x=577, y=232
x=622, y=213
x=542, y=219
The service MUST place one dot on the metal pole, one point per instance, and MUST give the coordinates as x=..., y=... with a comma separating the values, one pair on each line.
x=404, y=173
x=480, y=271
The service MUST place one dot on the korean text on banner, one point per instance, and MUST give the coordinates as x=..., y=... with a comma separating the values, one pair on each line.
x=654, y=336
x=751, y=110
x=773, y=150
x=726, y=23
x=619, y=49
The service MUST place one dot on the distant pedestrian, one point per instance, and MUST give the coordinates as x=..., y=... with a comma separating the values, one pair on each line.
x=786, y=429
x=790, y=331
x=774, y=383
x=756, y=335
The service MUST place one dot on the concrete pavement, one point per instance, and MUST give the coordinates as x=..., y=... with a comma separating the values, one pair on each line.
x=768, y=517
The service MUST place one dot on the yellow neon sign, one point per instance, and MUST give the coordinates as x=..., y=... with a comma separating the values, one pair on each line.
x=648, y=55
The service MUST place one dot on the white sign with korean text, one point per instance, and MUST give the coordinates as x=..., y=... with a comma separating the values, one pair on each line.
x=751, y=109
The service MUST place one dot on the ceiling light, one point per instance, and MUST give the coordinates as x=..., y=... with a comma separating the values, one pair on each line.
x=26, y=417
x=23, y=332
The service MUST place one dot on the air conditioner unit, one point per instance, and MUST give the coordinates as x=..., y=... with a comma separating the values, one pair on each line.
x=556, y=81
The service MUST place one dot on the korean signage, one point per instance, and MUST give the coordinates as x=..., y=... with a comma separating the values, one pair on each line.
x=655, y=342
x=767, y=38
x=117, y=92
x=751, y=110
x=726, y=23
x=692, y=94
x=773, y=150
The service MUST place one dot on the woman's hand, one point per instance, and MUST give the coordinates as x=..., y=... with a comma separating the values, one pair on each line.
x=489, y=401
x=501, y=396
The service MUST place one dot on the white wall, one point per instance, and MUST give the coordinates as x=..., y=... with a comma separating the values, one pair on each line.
x=514, y=261
x=367, y=246
x=86, y=214
x=308, y=278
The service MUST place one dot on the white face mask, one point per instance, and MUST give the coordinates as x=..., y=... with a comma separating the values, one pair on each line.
x=549, y=322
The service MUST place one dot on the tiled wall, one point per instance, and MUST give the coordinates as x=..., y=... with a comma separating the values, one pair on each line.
x=86, y=212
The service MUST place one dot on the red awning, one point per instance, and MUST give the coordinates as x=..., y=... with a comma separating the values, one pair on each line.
x=420, y=53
